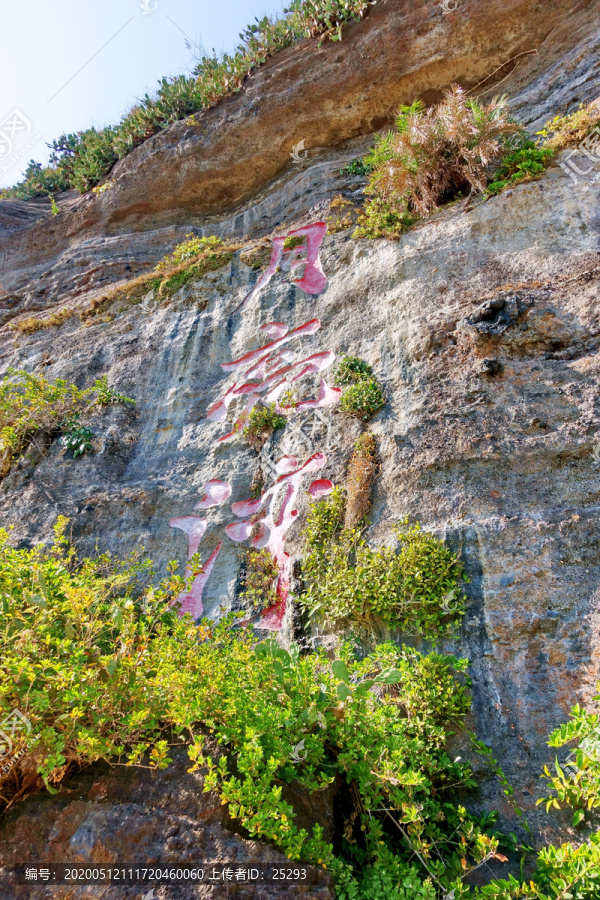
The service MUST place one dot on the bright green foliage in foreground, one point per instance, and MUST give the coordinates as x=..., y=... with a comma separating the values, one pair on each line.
x=30, y=403
x=82, y=160
x=104, y=669
x=102, y=674
x=414, y=589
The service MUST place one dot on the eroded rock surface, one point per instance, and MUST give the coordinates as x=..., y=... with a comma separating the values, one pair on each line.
x=150, y=819
x=482, y=326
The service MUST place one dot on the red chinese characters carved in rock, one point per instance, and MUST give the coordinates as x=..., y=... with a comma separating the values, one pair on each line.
x=215, y=494
x=304, y=262
x=265, y=525
x=273, y=370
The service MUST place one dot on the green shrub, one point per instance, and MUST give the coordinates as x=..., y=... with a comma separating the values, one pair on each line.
x=363, y=398
x=37, y=182
x=525, y=163
x=436, y=154
x=379, y=220
x=103, y=669
x=293, y=241
x=75, y=658
x=414, y=589
x=350, y=370
x=31, y=403
x=389, y=878
x=261, y=423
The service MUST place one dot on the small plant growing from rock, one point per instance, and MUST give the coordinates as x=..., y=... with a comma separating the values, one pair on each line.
x=343, y=214
x=256, y=257
x=31, y=324
x=363, y=397
x=522, y=164
x=567, y=131
x=259, y=580
x=351, y=369
x=261, y=423
x=294, y=241
x=357, y=167
x=77, y=437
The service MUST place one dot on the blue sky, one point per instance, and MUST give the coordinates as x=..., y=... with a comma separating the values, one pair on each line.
x=69, y=64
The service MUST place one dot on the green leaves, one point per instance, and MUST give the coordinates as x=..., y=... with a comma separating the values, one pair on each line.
x=352, y=583
x=343, y=691
x=340, y=671
x=31, y=403
x=393, y=676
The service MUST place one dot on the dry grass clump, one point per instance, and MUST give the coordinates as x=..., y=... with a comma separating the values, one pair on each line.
x=32, y=324
x=361, y=473
x=343, y=214
x=257, y=257
x=167, y=278
x=436, y=154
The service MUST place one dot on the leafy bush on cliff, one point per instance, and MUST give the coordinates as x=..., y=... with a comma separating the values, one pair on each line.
x=435, y=154
x=363, y=397
x=82, y=160
x=31, y=403
x=415, y=588
x=102, y=669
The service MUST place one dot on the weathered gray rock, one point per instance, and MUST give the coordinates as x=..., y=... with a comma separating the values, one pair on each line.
x=483, y=327
x=503, y=466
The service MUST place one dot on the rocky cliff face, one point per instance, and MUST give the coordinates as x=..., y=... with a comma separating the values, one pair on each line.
x=482, y=326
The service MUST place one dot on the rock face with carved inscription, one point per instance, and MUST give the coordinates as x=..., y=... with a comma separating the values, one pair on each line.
x=483, y=327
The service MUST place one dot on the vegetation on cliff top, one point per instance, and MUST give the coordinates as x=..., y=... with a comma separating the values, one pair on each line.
x=82, y=160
